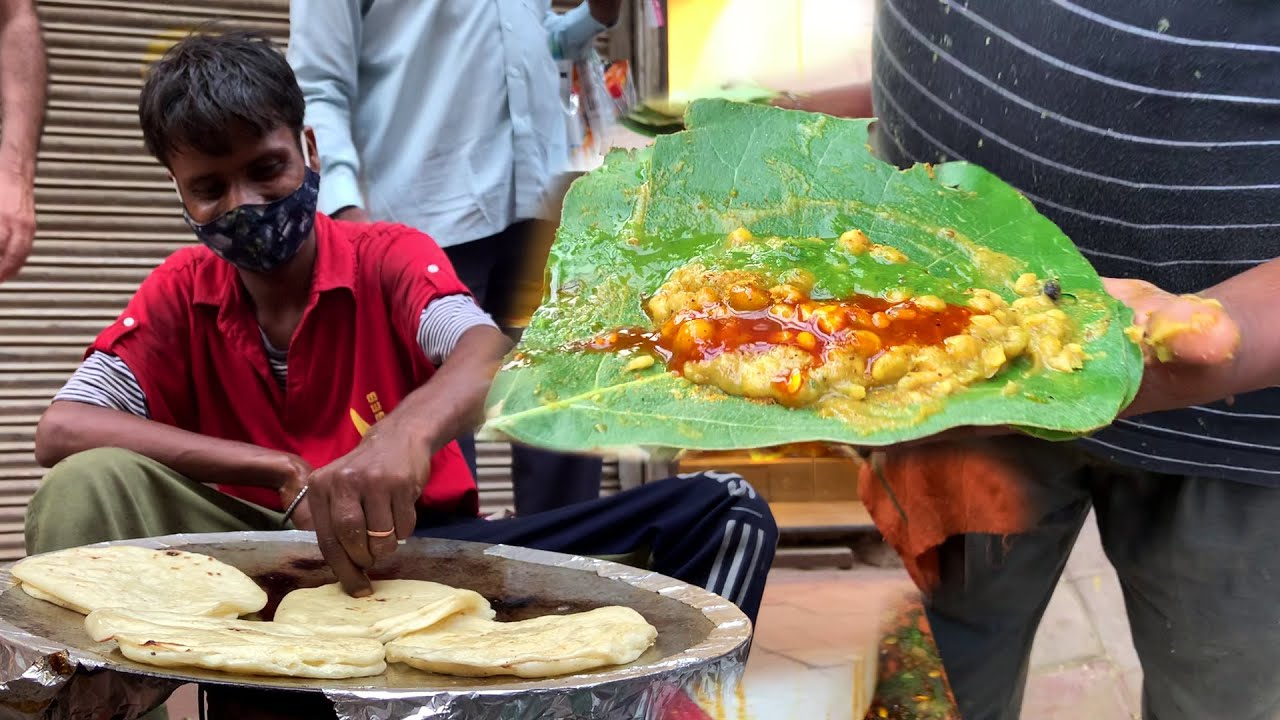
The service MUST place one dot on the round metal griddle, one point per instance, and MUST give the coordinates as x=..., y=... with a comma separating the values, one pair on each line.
x=702, y=638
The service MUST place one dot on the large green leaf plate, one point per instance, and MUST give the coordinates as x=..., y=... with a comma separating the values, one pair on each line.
x=805, y=177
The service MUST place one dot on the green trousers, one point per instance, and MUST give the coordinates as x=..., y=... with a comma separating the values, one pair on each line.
x=113, y=494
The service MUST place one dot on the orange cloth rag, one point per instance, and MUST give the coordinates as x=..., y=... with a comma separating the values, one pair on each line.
x=922, y=494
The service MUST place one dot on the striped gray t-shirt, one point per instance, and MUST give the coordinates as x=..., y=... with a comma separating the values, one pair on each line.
x=1148, y=131
x=106, y=380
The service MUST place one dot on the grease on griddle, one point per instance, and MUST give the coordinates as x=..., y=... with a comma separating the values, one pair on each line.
x=392, y=573
x=276, y=585
x=514, y=608
x=510, y=604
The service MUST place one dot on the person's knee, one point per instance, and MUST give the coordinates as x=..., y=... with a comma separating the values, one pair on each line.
x=80, y=484
x=742, y=497
x=89, y=470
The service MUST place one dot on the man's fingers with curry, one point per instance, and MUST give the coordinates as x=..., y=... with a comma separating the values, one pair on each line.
x=1177, y=328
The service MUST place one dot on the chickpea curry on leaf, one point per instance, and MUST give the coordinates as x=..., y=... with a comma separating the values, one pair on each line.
x=760, y=337
x=761, y=278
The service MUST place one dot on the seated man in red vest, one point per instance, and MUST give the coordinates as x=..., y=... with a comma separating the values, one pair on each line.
x=294, y=362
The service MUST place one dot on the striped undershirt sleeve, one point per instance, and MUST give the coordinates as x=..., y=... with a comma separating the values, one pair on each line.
x=106, y=381
x=443, y=323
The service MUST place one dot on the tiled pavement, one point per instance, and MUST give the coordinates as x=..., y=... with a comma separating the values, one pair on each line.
x=815, y=627
x=1083, y=662
x=814, y=622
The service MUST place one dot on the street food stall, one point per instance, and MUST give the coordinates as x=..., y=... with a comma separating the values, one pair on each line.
x=51, y=666
x=56, y=662
x=106, y=215
x=749, y=229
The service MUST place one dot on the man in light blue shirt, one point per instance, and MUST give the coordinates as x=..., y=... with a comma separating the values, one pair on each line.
x=445, y=115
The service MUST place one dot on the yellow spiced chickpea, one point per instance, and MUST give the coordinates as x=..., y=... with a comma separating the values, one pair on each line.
x=932, y=303
x=1027, y=285
x=693, y=333
x=855, y=242
x=963, y=347
x=748, y=298
x=891, y=255
x=890, y=367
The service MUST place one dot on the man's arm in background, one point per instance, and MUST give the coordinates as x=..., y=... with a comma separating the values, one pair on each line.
x=23, y=77
x=606, y=12
x=324, y=50
x=574, y=31
x=851, y=101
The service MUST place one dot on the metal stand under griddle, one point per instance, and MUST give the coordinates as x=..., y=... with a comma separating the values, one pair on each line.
x=50, y=668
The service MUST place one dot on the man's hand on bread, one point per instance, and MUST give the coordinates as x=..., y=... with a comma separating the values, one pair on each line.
x=363, y=503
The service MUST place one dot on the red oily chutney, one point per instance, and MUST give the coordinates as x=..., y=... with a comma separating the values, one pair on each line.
x=863, y=324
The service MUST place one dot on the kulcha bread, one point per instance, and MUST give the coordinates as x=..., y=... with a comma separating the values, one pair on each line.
x=538, y=648
x=395, y=608
x=174, y=609
x=39, y=594
x=242, y=647
x=126, y=576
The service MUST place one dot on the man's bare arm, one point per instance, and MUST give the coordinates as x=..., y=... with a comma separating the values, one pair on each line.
x=364, y=501
x=606, y=12
x=23, y=79
x=68, y=428
x=850, y=101
x=1249, y=299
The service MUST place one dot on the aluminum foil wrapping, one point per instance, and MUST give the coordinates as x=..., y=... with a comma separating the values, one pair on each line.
x=66, y=677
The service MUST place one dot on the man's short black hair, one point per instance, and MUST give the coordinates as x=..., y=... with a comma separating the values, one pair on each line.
x=212, y=84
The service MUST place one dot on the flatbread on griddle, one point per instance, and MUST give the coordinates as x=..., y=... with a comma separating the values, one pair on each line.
x=137, y=578
x=39, y=594
x=235, y=646
x=541, y=647
x=395, y=608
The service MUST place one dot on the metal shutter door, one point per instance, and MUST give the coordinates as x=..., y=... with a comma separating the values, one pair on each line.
x=105, y=209
x=106, y=216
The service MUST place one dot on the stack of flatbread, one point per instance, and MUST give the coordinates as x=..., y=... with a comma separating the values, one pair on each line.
x=171, y=608
x=245, y=647
x=124, y=576
x=396, y=608
x=537, y=648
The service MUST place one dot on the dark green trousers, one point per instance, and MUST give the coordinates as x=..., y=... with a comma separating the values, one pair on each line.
x=113, y=494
